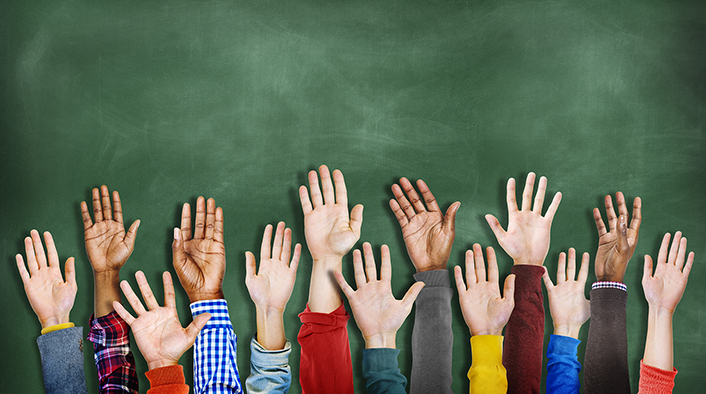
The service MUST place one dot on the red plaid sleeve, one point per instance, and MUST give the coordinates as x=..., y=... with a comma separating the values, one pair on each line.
x=114, y=361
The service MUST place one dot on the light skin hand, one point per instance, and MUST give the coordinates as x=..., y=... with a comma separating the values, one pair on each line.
x=330, y=234
x=108, y=246
x=157, y=330
x=615, y=247
x=663, y=291
x=376, y=311
x=427, y=232
x=200, y=258
x=567, y=300
x=484, y=310
x=271, y=287
x=527, y=237
x=50, y=297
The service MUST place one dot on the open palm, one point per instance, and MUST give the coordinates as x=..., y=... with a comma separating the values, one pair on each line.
x=665, y=287
x=616, y=245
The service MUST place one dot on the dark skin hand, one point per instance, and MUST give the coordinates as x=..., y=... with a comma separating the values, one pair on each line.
x=616, y=245
x=427, y=232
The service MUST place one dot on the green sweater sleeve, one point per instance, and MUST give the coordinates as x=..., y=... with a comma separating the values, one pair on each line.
x=381, y=371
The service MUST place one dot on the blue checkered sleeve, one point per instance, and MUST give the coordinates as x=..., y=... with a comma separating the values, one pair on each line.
x=215, y=368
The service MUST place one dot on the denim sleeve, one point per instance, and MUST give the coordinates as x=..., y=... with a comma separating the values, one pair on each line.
x=62, y=361
x=269, y=370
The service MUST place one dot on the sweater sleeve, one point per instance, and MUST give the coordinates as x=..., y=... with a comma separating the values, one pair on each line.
x=563, y=365
x=606, y=360
x=524, y=334
x=167, y=380
x=269, y=369
x=382, y=373
x=487, y=374
x=654, y=380
x=62, y=361
x=325, y=364
x=432, y=336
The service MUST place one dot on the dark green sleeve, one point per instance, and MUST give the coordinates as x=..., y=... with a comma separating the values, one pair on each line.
x=381, y=371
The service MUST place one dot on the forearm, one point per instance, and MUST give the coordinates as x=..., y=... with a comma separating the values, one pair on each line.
x=659, y=343
x=324, y=293
x=270, y=328
x=432, y=335
x=106, y=289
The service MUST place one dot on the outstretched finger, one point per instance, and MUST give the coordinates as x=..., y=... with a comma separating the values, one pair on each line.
x=327, y=185
x=411, y=296
x=571, y=266
x=495, y=227
x=186, y=222
x=169, y=296
x=356, y=219
x=341, y=192
x=509, y=288
x=132, y=298
x=412, y=195
x=385, y=266
x=304, y=200
x=218, y=231
x=124, y=314
x=689, y=263
x=266, y=243
x=450, y=218
x=314, y=189
x=21, y=267
x=664, y=249
x=358, y=272
x=493, y=275
x=622, y=206
x=636, y=215
x=527, y=192
x=458, y=275
x=277, y=244
x=31, y=258
x=295, y=258
x=561, y=269
x=117, y=207
x=52, y=255
x=600, y=226
x=195, y=327
x=583, y=272
x=402, y=201
x=610, y=213
x=97, y=208
x=480, y=264
x=551, y=211
x=547, y=280
x=210, y=218
x=429, y=199
x=539, y=197
x=146, y=291
x=286, y=252
x=399, y=213
x=38, y=249
x=250, y=265
x=674, y=249
x=200, y=224
x=105, y=203
x=370, y=268
x=85, y=216
x=511, y=197
x=647, y=269
x=679, y=263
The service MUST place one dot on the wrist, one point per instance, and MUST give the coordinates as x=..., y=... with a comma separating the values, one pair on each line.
x=112, y=275
x=526, y=261
x=161, y=363
x=567, y=330
x=330, y=262
x=386, y=340
x=660, y=312
x=54, y=320
x=429, y=267
x=486, y=331
x=205, y=296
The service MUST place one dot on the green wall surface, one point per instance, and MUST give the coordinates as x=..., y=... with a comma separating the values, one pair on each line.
x=165, y=101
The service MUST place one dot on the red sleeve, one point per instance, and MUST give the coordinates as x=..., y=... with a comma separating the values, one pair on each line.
x=656, y=381
x=167, y=380
x=524, y=334
x=325, y=361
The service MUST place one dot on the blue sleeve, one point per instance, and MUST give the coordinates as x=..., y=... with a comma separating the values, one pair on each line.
x=215, y=368
x=381, y=371
x=269, y=370
x=62, y=361
x=563, y=365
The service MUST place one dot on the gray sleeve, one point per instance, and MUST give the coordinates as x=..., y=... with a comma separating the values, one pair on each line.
x=432, y=337
x=606, y=360
x=62, y=361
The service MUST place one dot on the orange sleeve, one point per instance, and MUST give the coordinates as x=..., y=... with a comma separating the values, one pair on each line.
x=167, y=380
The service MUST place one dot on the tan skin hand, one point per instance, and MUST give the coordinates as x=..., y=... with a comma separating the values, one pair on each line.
x=200, y=258
x=427, y=232
x=330, y=233
x=527, y=237
x=108, y=246
x=376, y=311
x=567, y=300
x=157, y=330
x=616, y=245
x=664, y=288
x=49, y=295
x=484, y=310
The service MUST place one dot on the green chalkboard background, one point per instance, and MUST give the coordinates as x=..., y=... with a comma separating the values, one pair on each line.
x=168, y=100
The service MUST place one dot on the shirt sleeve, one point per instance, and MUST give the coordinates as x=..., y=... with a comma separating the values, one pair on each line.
x=112, y=356
x=325, y=364
x=606, y=360
x=563, y=365
x=432, y=335
x=62, y=361
x=382, y=373
x=215, y=368
x=654, y=380
x=524, y=333
x=167, y=380
x=269, y=370
x=487, y=374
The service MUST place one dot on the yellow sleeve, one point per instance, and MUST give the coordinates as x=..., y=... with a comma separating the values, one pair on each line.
x=487, y=374
x=56, y=327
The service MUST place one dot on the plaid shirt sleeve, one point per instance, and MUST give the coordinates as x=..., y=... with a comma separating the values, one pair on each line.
x=215, y=369
x=112, y=355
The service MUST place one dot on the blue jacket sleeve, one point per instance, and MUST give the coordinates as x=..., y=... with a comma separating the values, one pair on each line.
x=269, y=370
x=381, y=371
x=62, y=361
x=563, y=365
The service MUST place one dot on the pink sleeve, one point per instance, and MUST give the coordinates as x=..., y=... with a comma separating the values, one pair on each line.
x=656, y=381
x=325, y=361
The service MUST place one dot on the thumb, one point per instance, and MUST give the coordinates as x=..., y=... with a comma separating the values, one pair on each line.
x=411, y=295
x=450, y=217
x=70, y=269
x=495, y=226
x=357, y=219
x=132, y=234
x=509, y=290
x=647, y=272
x=547, y=280
x=192, y=331
x=178, y=253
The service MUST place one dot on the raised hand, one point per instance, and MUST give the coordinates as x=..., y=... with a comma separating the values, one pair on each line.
x=271, y=287
x=330, y=233
x=567, y=300
x=664, y=288
x=50, y=297
x=376, y=311
x=527, y=237
x=157, y=331
x=108, y=246
x=615, y=247
x=427, y=232
x=484, y=310
x=200, y=261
